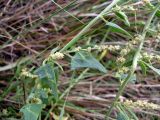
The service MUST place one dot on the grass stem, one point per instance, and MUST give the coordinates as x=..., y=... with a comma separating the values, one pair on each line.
x=86, y=28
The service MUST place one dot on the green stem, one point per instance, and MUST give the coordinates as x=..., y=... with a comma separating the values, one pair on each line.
x=66, y=11
x=134, y=64
x=66, y=92
x=86, y=28
x=74, y=83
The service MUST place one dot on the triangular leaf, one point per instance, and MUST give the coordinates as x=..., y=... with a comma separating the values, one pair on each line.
x=31, y=111
x=47, y=71
x=86, y=60
x=116, y=28
x=48, y=77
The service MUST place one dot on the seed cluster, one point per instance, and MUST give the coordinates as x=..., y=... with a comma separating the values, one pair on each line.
x=146, y=1
x=26, y=73
x=128, y=48
x=32, y=98
x=100, y=48
x=36, y=100
x=150, y=56
x=121, y=60
x=141, y=104
x=56, y=56
x=120, y=8
x=123, y=70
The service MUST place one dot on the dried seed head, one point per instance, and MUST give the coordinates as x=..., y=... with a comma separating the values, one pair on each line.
x=123, y=70
x=129, y=45
x=146, y=1
x=121, y=59
x=136, y=40
x=148, y=56
x=96, y=47
x=111, y=48
x=26, y=73
x=107, y=47
x=117, y=47
x=124, y=51
x=103, y=47
x=89, y=49
x=78, y=48
x=141, y=104
x=56, y=56
x=157, y=57
x=36, y=100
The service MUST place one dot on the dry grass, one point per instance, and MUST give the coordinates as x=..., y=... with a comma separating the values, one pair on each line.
x=31, y=28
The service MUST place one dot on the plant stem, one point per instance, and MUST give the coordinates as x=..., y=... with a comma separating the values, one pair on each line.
x=66, y=92
x=86, y=28
x=74, y=83
x=134, y=64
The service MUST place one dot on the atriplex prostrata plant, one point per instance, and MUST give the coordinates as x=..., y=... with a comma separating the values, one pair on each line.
x=46, y=77
x=135, y=59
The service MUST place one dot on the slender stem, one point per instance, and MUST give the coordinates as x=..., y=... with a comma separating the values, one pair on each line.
x=66, y=92
x=134, y=64
x=66, y=11
x=74, y=83
x=24, y=92
x=86, y=28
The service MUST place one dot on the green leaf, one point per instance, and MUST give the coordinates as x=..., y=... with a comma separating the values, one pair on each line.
x=116, y=28
x=47, y=71
x=153, y=68
x=31, y=111
x=158, y=13
x=86, y=60
x=43, y=95
x=121, y=116
x=48, y=75
x=123, y=17
x=143, y=67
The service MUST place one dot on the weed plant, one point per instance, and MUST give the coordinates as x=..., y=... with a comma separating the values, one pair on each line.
x=114, y=43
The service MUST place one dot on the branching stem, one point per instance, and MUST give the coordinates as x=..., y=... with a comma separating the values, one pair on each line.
x=134, y=64
x=86, y=28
